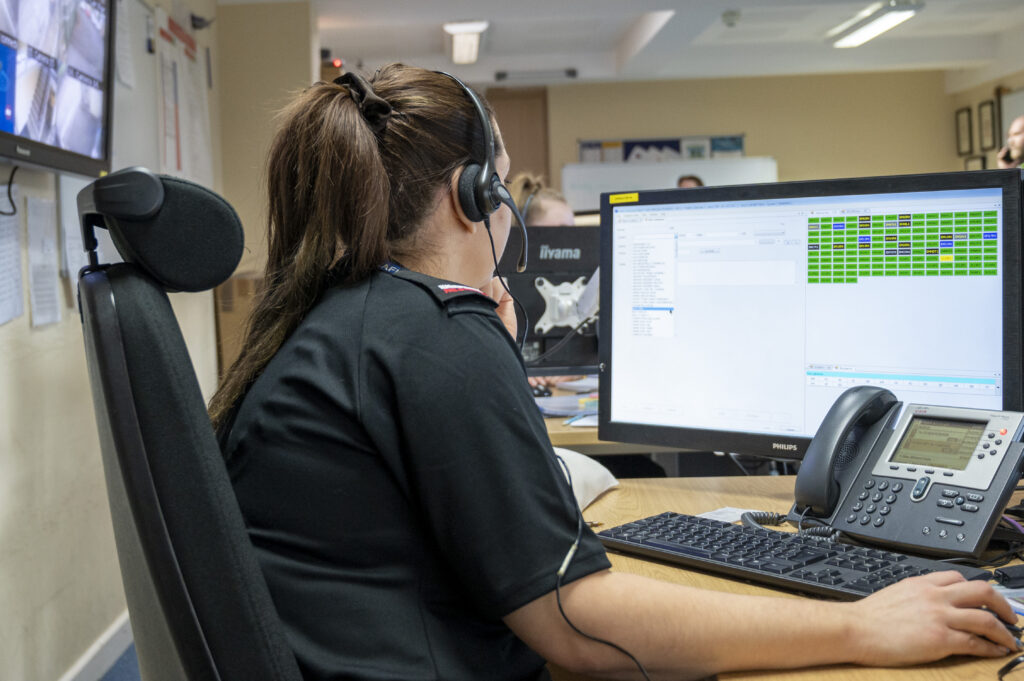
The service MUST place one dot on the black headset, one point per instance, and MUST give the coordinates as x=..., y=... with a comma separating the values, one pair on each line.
x=480, y=189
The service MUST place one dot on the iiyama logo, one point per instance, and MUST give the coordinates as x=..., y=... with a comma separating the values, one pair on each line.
x=548, y=253
x=783, y=446
x=22, y=150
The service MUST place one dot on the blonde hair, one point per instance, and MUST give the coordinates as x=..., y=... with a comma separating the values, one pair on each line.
x=529, y=192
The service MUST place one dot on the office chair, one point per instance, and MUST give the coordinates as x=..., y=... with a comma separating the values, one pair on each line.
x=199, y=606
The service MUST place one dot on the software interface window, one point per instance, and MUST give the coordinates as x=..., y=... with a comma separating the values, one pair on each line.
x=756, y=315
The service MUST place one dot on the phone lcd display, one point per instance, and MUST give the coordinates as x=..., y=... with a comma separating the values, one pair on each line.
x=939, y=442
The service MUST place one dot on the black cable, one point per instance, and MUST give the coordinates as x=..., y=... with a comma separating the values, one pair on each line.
x=10, y=194
x=497, y=273
x=565, y=568
x=735, y=459
x=560, y=344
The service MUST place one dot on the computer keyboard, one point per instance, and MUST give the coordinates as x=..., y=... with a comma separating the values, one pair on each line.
x=797, y=562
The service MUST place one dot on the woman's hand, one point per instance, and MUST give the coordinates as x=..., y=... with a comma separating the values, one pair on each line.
x=506, y=308
x=926, y=618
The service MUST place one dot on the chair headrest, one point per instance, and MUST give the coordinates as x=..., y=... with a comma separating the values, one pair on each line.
x=182, y=234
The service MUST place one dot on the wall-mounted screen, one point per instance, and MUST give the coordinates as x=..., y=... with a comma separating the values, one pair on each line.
x=55, y=83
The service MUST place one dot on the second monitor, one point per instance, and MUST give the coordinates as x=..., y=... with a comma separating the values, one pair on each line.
x=562, y=260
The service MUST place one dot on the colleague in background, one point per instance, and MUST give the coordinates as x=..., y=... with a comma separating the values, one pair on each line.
x=541, y=205
x=538, y=203
x=688, y=181
x=396, y=479
x=1012, y=155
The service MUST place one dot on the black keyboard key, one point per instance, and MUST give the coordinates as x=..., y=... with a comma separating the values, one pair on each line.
x=793, y=561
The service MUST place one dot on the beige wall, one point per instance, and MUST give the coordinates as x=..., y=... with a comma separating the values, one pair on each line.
x=257, y=78
x=814, y=126
x=60, y=587
x=987, y=91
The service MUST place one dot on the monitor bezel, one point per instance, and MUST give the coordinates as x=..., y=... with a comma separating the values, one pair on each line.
x=21, y=150
x=790, y=447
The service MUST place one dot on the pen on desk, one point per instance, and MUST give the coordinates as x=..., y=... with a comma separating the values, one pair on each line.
x=594, y=523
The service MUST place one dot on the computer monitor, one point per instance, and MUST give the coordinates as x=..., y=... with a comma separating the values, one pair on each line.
x=560, y=263
x=733, y=317
x=56, y=69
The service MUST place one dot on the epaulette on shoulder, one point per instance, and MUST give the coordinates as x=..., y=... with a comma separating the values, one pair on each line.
x=454, y=297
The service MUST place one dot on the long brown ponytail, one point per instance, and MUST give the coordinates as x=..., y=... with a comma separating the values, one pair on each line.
x=336, y=189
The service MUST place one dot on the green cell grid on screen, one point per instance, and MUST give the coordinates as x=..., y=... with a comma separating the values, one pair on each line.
x=990, y=213
x=975, y=271
x=991, y=221
x=960, y=214
x=975, y=214
x=933, y=223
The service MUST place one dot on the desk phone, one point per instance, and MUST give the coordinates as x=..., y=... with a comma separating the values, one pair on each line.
x=933, y=480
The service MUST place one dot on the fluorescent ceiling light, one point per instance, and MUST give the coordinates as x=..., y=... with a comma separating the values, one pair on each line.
x=873, y=21
x=465, y=37
x=856, y=19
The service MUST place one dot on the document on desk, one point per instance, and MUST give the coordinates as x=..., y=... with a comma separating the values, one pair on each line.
x=566, y=405
x=586, y=420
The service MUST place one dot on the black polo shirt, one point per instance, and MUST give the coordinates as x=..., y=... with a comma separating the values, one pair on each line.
x=399, y=486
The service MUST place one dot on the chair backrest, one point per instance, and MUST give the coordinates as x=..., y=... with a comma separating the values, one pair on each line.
x=198, y=604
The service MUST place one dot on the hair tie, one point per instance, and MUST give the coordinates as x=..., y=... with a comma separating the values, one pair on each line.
x=375, y=110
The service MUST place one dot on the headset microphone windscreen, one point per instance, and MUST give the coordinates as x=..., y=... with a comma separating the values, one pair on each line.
x=506, y=198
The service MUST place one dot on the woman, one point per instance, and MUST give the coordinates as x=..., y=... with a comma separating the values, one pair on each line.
x=539, y=203
x=395, y=475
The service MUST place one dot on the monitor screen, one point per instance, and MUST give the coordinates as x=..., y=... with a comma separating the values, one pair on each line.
x=55, y=83
x=733, y=317
x=560, y=263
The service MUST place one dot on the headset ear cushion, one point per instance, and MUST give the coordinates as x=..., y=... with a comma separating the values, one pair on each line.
x=467, y=192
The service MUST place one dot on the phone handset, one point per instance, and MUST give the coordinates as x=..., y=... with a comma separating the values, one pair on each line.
x=836, y=445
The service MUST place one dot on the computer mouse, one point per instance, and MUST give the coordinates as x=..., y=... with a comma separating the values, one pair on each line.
x=541, y=391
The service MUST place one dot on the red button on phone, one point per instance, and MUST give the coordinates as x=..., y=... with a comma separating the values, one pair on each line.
x=1002, y=431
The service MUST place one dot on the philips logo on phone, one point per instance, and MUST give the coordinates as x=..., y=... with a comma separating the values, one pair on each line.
x=548, y=253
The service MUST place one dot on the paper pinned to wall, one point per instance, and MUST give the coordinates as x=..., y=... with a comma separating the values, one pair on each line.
x=184, y=112
x=124, y=66
x=73, y=254
x=12, y=294
x=44, y=286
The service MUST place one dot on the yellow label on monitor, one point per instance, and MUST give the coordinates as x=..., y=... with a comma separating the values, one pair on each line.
x=624, y=198
x=945, y=258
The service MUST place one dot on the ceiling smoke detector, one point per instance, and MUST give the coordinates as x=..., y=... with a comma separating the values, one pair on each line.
x=731, y=17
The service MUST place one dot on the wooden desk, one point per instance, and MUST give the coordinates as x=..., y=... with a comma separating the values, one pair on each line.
x=639, y=498
x=584, y=440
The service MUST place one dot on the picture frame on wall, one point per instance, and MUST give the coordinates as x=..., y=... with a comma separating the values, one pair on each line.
x=964, y=138
x=975, y=163
x=987, y=134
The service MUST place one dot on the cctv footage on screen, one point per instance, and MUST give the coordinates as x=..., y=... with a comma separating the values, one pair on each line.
x=52, y=56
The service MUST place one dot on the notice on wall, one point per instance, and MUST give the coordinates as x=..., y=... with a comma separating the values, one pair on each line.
x=12, y=292
x=43, y=261
x=184, y=111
